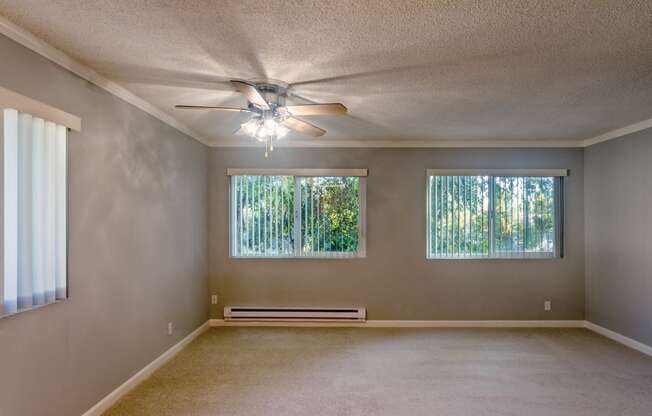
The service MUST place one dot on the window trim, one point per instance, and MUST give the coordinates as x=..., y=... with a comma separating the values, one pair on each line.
x=23, y=104
x=298, y=174
x=71, y=127
x=498, y=172
x=558, y=174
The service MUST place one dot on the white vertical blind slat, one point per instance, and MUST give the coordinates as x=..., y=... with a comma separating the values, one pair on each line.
x=259, y=183
x=10, y=224
x=61, y=210
x=25, y=289
x=277, y=238
x=236, y=214
x=38, y=201
x=49, y=212
x=240, y=213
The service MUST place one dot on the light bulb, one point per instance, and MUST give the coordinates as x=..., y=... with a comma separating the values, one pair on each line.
x=262, y=132
x=281, y=131
x=251, y=126
x=270, y=124
x=265, y=129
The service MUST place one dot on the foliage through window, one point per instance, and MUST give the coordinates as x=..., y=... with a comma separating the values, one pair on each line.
x=297, y=216
x=493, y=216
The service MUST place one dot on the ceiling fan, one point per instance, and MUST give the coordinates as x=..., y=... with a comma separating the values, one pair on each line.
x=271, y=118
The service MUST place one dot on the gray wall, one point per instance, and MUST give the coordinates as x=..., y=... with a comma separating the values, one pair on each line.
x=395, y=281
x=619, y=235
x=138, y=257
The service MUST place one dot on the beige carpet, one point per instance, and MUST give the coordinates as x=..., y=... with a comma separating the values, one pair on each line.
x=362, y=371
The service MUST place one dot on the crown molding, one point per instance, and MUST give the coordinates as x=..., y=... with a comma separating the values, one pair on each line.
x=32, y=42
x=623, y=131
x=402, y=143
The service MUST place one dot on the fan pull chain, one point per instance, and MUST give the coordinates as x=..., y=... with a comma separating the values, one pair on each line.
x=269, y=145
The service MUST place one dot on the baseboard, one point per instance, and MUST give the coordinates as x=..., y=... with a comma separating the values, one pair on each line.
x=407, y=324
x=629, y=342
x=141, y=375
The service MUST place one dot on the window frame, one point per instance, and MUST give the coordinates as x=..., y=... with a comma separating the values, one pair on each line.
x=297, y=174
x=557, y=174
x=11, y=100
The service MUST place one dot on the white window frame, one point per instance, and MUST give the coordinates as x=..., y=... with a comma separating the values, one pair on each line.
x=13, y=100
x=558, y=174
x=298, y=174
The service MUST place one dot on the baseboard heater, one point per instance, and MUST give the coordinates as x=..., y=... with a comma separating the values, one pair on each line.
x=247, y=313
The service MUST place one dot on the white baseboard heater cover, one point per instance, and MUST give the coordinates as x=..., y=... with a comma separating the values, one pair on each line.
x=253, y=313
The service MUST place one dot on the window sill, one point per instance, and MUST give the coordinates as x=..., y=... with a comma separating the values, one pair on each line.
x=33, y=308
x=320, y=257
x=526, y=257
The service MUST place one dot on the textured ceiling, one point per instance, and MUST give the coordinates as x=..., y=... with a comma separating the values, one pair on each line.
x=547, y=70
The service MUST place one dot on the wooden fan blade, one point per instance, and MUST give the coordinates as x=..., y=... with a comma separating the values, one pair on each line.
x=251, y=93
x=208, y=107
x=303, y=127
x=316, y=109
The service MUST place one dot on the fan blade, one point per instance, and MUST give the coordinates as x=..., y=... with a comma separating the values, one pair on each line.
x=207, y=107
x=303, y=127
x=251, y=93
x=316, y=109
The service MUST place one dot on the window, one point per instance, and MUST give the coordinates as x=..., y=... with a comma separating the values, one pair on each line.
x=297, y=213
x=34, y=203
x=494, y=214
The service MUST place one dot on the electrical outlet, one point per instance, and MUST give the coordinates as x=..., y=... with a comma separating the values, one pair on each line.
x=170, y=328
x=214, y=299
x=547, y=306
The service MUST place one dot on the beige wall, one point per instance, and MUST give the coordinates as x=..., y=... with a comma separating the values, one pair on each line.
x=619, y=235
x=395, y=281
x=137, y=245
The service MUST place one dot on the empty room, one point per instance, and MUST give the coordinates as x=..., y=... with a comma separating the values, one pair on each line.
x=325, y=208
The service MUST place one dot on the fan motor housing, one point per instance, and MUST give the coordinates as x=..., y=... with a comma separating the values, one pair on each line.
x=275, y=94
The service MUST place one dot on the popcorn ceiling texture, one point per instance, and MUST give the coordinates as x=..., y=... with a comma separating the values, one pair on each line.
x=411, y=70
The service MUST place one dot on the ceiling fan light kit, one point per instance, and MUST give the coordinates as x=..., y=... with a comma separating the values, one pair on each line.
x=271, y=119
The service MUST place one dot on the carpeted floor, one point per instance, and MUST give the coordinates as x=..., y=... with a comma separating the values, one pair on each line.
x=363, y=371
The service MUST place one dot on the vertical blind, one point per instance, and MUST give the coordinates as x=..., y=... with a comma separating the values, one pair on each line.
x=262, y=216
x=459, y=221
x=493, y=216
x=34, y=211
x=293, y=216
x=330, y=216
x=524, y=211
